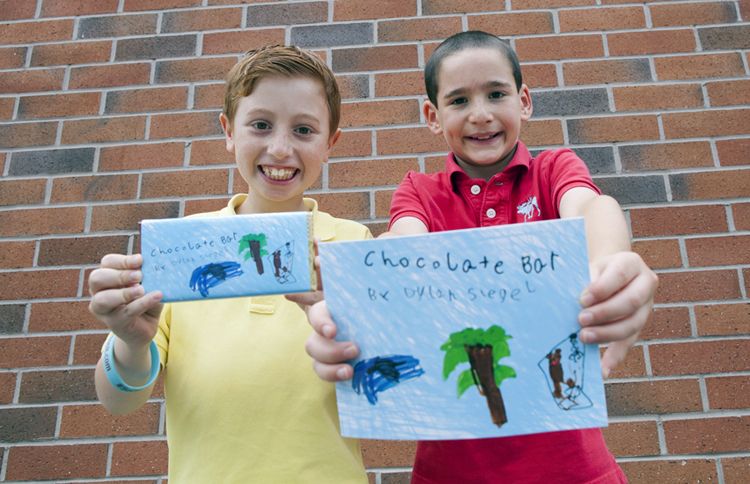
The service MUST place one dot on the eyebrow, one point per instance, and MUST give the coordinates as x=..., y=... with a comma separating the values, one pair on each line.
x=486, y=85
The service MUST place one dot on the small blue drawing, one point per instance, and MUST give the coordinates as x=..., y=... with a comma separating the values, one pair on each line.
x=564, y=375
x=213, y=274
x=383, y=372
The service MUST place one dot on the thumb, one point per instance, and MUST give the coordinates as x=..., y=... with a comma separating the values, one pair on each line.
x=615, y=354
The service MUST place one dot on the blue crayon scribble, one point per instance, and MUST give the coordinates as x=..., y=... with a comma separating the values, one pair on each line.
x=213, y=274
x=383, y=372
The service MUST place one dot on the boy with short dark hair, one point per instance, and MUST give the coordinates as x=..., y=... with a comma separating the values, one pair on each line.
x=243, y=404
x=478, y=102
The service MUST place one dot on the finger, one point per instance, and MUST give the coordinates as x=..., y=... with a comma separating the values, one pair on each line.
x=321, y=321
x=305, y=299
x=628, y=301
x=122, y=261
x=105, y=278
x=316, y=264
x=618, y=330
x=333, y=373
x=108, y=301
x=617, y=273
x=615, y=355
x=329, y=351
x=148, y=303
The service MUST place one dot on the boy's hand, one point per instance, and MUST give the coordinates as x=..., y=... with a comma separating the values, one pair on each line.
x=119, y=301
x=617, y=304
x=329, y=356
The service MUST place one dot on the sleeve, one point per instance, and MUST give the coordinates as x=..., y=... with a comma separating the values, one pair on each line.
x=406, y=202
x=568, y=171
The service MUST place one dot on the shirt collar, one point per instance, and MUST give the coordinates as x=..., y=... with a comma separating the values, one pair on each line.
x=520, y=162
x=323, y=223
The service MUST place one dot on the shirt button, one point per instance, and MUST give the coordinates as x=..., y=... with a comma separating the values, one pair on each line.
x=491, y=213
x=475, y=189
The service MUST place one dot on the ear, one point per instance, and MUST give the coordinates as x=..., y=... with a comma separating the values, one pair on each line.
x=227, y=127
x=526, y=107
x=333, y=139
x=430, y=112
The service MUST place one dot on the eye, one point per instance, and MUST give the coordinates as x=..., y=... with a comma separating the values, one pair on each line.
x=459, y=100
x=497, y=95
x=304, y=130
x=261, y=125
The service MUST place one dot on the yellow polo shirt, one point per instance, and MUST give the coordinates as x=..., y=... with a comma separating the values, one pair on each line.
x=243, y=402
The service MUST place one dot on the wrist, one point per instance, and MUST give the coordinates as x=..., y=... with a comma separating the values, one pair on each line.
x=130, y=369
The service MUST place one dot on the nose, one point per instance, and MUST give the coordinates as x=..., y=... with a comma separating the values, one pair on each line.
x=280, y=146
x=480, y=112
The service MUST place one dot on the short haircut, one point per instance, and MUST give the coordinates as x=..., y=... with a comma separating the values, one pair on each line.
x=286, y=61
x=467, y=40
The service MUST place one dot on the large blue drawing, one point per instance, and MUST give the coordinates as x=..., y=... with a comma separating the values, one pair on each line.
x=213, y=274
x=383, y=372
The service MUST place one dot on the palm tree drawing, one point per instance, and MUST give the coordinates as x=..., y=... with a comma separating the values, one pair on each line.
x=255, y=245
x=482, y=349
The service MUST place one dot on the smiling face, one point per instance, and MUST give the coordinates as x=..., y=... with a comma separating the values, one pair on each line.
x=479, y=110
x=280, y=139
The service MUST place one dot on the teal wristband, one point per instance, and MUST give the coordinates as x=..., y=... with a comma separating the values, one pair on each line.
x=111, y=370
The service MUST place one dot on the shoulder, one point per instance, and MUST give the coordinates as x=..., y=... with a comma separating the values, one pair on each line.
x=330, y=228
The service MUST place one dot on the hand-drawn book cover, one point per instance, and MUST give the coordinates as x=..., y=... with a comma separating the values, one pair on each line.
x=465, y=334
x=215, y=257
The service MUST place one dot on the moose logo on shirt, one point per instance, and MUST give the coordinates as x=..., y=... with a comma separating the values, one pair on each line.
x=527, y=209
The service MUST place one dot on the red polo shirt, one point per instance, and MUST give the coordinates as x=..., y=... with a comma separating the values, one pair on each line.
x=529, y=189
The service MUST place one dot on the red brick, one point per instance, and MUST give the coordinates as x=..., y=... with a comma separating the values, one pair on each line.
x=79, y=250
x=527, y=4
x=613, y=129
x=733, y=151
x=375, y=58
x=383, y=203
x=648, y=472
x=205, y=205
x=697, y=219
x=185, y=125
x=30, y=352
x=659, y=254
x=194, y=70
x=15, y=10
x=741, y=215
x=139, y=458
x=184, y=183
x=513, y=23
x=350, y=205
x=408, y=140
x=718, y=251
x=632, y=439
x=15, y=255
x=42, y=221
x=699, y=66
x=62, y=316
x=37, y=80
x=201, y=20
x=209, y=96
x=365, y=9
x=606, y=71
x=702, y=357
x=543, y=133
x=369, y=172
x=210, y=152
x=674, y=14
x=653, y=397
x=58, y=105
x=7, y=387
x=649, y=42
x=729, y=93
x=88, y=348
x=438, y=7
x=103, y=130
x=657, y=97
x=667, y=323
x=633, y=366
x=141, y=156
x=238, y=42
x=7, y=106
x=12, y=57
x=559, y=47
x=399, y=84
x=95, y=421
x=65, y=8
x=539, y=75
x=36, y=31
x=615, y=18
x=379, y=113
x=664, y=156
x=736, y=469
x=24, y=135
x=22, y=192
x=353, y=87
x=110, y=75
x=376, y=228
x=127, y=216
x=725, y=393
x=388, y=453
x=417, y=28
x=57, y=461
x=710, y=185
x=132, y=5
x=94, y=188
x=709, y=435
x=697, y=286
x=723, y=319
x=707, y=123
x=68, y=53
x=147, y=100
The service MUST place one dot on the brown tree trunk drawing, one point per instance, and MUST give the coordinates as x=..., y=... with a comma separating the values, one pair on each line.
x=480, y=359
x=255, y=252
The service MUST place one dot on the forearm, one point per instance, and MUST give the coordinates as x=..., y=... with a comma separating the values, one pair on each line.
x=133, y=366
x=606, y=228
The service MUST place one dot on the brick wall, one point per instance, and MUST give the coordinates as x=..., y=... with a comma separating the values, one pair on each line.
x=108, y=114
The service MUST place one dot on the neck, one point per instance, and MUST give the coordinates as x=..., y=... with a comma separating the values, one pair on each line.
x=253, y=205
